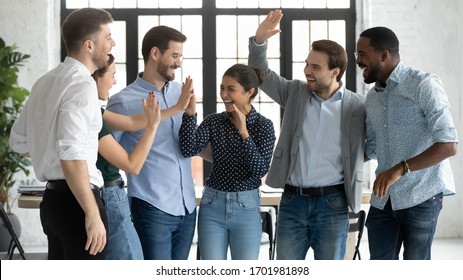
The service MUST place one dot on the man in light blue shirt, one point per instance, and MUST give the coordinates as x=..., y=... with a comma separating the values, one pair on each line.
x=318, y=160
x=162, y=195
x=411, y=133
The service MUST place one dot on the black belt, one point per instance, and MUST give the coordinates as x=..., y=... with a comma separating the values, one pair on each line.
x=116, y=183
x=62, y=186
x=314, y=191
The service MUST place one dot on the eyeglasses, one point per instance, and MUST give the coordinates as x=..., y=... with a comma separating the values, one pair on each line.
x=176, y=56
x=362, y=54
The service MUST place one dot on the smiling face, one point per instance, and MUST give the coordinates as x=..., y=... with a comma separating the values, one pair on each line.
x=369, y=60
x=170, y=60
x=103, y=43
x=106, y=82
x=233, y=93
x=319, y=77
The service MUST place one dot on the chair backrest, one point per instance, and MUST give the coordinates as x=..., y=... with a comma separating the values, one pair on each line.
x=357, y=221
x=357, y=224
x=14, y=238
x=267, y=227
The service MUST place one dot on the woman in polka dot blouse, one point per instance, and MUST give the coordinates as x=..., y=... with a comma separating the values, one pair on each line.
x=242, y=142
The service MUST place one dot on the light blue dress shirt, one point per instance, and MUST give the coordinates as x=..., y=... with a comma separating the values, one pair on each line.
x=165, y=181
x=404, y=119
x=318, y=162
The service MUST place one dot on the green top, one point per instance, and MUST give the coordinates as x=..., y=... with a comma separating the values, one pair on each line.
x=109, y=171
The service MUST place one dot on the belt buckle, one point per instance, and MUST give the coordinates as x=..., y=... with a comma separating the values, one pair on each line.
x=300, y=191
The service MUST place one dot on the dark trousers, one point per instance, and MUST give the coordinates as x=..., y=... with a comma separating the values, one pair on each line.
x=63, y=221
x=413, y=228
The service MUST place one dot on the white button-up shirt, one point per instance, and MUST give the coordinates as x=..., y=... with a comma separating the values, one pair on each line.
x=60, y=121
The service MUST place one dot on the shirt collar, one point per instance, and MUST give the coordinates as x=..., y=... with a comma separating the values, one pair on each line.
x=396, y=77
x=336, y=96
x=76, y=63
x=150, y=87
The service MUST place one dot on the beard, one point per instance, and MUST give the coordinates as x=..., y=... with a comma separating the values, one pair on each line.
x=373, y=74
x=163, y=70
x=100, y=60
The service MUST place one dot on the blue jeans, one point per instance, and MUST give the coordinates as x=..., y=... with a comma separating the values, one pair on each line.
x=413, y=227
x=123, y=242
x=163, y=236
x=320, y=222
x=229, y=218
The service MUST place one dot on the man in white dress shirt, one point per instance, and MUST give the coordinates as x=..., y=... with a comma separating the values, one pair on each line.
x=58, y=129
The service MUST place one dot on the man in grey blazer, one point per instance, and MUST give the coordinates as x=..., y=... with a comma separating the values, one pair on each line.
x=320, y=152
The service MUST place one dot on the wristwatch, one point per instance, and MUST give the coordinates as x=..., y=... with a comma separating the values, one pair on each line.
x=406, y=167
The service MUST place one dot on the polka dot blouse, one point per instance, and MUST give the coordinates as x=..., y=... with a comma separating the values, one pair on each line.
x=238, y=165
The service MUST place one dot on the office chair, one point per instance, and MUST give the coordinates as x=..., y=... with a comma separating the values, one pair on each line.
x=356, y=224
x=267, y=227
x=14, y=243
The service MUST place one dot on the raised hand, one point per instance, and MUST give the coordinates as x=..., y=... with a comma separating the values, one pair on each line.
x=152, y=109
x=238, y=120
x=188, y=87
x=187, y=93
x=268, y=27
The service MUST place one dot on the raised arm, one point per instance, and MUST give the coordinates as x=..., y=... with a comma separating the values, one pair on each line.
x=121, y=122
x=115, y=154
x=268, y=27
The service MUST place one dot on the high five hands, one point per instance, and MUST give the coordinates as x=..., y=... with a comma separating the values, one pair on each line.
x=152, y=109
x=268, y=27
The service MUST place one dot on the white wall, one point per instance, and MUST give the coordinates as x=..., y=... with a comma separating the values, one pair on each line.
x=431, y=39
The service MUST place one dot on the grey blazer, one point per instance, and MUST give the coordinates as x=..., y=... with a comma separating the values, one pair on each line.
x=292, y=95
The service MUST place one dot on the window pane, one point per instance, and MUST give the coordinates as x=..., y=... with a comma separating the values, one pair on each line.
x=169, y=3
x=101, y=4
x=298, y=70
x=315, y=4
x=270, y=111
x=247, y=26
x=118, y=34
x=301, y=38
x=121, y=74
x=194, y=69
x=226, y=37
x=191, y=27
x=192, y=4
x=225, y=4
x=171, y=21
x=125, y=3
x=318, y=30
x=292, y=3
x=269, y=4
x=145, y=23
x=148, y=4
x=247, y=3
x=76, y=4
x=337, y=31
x=339, y=4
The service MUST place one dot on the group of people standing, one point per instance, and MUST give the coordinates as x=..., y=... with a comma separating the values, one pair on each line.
x=150, y=131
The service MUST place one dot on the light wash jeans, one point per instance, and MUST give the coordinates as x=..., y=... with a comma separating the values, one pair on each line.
x=163, y=236
x=123, y=242
x=229, y=219
x=413, y=227
x=317, y=222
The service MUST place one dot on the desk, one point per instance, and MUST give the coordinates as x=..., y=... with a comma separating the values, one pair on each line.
x=267, y=198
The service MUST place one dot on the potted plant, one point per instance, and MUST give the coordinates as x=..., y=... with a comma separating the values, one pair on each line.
x=12, y=99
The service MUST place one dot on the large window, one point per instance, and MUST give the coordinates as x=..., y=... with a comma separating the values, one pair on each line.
x=218, y=32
